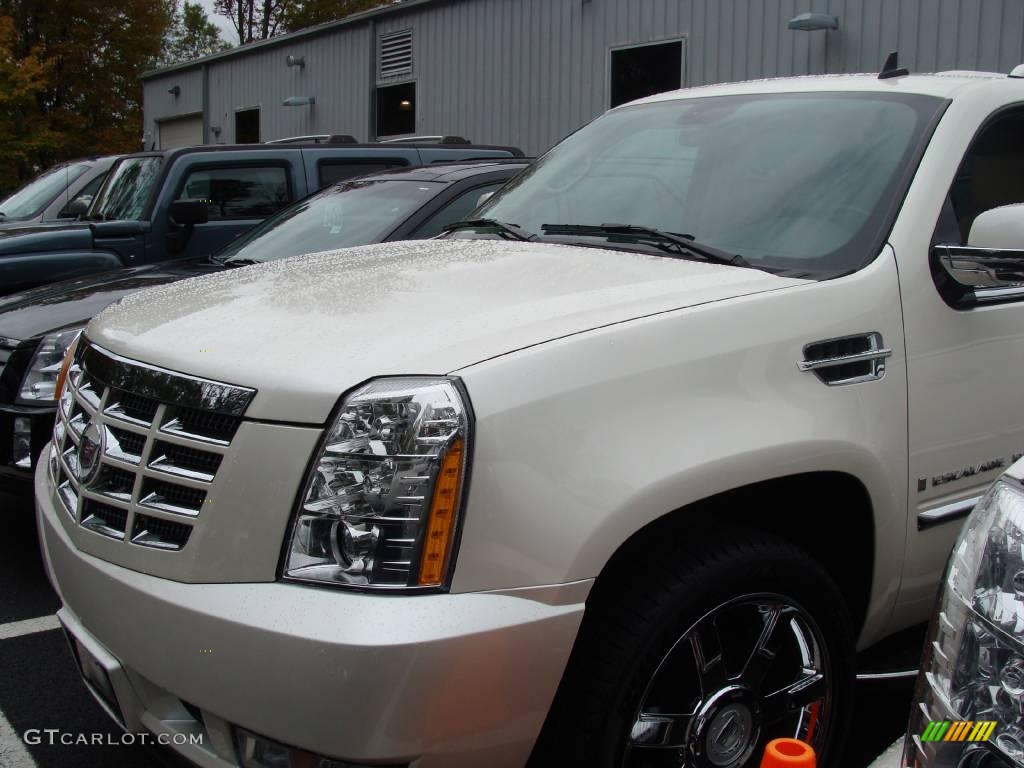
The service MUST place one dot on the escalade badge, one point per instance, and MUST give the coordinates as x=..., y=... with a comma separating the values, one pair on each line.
x=89, y=452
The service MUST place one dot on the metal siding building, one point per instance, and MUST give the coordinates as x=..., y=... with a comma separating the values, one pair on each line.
x=528, y=72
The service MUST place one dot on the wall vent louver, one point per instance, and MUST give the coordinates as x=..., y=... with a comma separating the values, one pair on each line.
x=395, y=55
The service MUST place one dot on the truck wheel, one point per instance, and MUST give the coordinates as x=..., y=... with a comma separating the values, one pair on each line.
x=702, y=655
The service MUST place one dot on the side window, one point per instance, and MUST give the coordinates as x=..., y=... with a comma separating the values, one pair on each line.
x=457, y=210
x=340, y=170
x=238, y=193
x=990, y=176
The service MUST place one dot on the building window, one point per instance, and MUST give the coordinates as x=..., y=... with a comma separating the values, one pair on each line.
x=644, y=70
x=247, y=126
x=396, y=109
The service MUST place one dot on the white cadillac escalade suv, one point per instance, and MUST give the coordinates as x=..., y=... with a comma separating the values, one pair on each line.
x=618, y=474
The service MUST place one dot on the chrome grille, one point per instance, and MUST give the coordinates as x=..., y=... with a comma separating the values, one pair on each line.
x=160, y=438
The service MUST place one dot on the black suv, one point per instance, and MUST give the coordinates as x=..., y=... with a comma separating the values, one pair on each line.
x=195, y=200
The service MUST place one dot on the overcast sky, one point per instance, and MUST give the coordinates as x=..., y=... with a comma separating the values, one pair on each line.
x=226, y=30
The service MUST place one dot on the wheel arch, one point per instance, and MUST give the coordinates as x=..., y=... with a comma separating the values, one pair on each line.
x=843, y=543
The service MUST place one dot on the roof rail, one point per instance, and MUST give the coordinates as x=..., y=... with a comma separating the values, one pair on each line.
x=427, y=140
x=341, y=138
x=892, y=67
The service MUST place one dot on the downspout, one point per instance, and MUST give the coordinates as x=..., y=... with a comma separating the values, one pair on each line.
x=371, y=134
x=206, y=103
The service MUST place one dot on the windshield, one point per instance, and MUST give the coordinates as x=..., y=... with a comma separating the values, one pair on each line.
x=127, y=190
x=346, y=214
x=800, y=183
x=40, y=192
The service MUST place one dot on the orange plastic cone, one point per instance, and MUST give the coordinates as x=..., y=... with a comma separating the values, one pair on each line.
x=788, y=753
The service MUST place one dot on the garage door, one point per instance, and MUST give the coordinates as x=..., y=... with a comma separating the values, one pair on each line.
x=180, y=132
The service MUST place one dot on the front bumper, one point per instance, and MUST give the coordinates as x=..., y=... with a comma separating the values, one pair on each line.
x=14, y=478
x=432, y=680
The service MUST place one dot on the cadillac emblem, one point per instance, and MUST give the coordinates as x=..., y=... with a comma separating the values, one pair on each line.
x=90, y=449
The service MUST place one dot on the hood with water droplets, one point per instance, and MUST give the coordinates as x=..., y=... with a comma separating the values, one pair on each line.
x=301, y=331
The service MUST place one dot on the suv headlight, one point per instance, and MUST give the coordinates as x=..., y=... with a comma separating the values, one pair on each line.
x=382, y=502
x=973, y=666
x=40, y=380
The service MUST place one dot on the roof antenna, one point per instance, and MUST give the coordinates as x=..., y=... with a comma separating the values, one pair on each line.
x=892, y=67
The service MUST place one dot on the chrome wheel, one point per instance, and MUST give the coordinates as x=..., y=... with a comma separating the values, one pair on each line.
x=750, y=670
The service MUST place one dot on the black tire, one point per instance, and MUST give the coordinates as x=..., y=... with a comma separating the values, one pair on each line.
x=640, y=614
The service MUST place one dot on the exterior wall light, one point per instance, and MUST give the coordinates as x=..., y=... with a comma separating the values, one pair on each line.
x=812, y=22
x=299, y=101
x=295, y=61
x=175, y=91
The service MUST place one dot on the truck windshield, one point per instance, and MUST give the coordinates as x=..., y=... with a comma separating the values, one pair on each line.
x=801, y=183
x=32, y=198
x=345, y=214
x=127, y=190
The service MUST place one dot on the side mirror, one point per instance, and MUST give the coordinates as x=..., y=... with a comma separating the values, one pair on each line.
x=998, y=229
x=991, y=266
x=186, y=213
x=76, y=208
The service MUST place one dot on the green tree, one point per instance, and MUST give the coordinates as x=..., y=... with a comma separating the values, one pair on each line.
x=260, y=19
x=308, y=13
x=191, y=35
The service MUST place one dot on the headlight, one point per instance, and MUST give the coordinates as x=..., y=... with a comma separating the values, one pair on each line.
x=40, y=381
x=381, y=505
x=973, y=666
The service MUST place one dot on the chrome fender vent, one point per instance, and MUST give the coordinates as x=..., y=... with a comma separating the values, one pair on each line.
x=846, y=360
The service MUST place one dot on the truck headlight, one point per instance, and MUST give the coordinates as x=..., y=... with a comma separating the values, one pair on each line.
x=382, y=502
x=40, y=380
x=972, y=674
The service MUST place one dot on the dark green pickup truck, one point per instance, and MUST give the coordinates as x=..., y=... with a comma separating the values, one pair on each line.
x=193, y=201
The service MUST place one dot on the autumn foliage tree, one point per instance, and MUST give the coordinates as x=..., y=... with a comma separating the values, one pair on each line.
x=70, y=73
x=24, y=133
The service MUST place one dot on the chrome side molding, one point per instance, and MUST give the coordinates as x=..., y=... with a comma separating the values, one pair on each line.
x=947, y=513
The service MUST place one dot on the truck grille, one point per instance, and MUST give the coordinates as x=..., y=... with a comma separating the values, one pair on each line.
x=137, y=448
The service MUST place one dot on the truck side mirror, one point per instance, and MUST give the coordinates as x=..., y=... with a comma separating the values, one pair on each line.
x=998, y=229
x=991, y=266
x=76, y=209
x=186, y=213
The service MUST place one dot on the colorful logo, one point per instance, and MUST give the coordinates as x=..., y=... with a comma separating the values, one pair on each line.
x=959, y=730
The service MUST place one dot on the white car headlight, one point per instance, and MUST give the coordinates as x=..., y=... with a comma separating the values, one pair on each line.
x=40, y=380
x=382, y=503
x=970, y=710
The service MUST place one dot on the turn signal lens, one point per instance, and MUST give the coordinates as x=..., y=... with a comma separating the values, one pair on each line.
x=65, y=366
x=441, y=522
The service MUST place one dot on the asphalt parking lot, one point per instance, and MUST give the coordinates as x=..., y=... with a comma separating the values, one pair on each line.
x=40, y=687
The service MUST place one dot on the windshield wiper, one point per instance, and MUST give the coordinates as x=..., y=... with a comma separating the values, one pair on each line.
x=512, y=230
x=238, y=262
x=682, y=244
